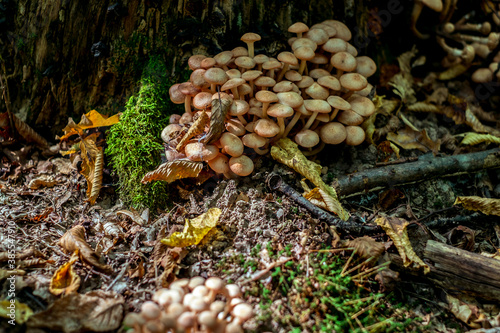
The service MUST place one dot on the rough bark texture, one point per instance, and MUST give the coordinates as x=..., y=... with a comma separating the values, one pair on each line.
x=64, y=58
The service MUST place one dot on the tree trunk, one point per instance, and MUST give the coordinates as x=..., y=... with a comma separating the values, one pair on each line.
x=64, y=58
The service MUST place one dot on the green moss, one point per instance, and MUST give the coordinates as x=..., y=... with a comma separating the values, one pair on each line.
x=134, y=144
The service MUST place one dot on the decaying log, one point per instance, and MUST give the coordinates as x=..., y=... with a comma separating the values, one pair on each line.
x=425, y=168
x=463, y=271
x=275, y=183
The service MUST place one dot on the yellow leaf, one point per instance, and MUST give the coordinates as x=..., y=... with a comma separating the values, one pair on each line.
x=14, y=310
x=65, y=280
x=453, y=72
x=396, y=229
x=174, y=170
x=91, y=119
x=321, y=199
x=476, y=138
x=484, y=205
x=194, y=230
x=197, y=128
x=287, y=152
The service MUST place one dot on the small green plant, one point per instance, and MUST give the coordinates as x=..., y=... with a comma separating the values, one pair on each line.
x=134, y=144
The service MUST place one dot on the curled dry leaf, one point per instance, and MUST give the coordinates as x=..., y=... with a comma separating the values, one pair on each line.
x=198, y=127
x=91, y=119
x=74, y=239
x=6, y=273
x=484, y=205
x=220, y=108
x=97, y=179
x=42, y=181
x=194, y=230
x=90, y=154
x=22, y=311
x=134, y=215
x=174, y=170
x=465, y=312
x=287, y=152
x=472, y=138
x=97, y=311
x=28, y=133
x=65, y=280
x=396, y=229
x=366, y=247
x=320, y=198
x=411, y=139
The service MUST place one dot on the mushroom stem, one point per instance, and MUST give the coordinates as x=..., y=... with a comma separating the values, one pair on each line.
x=310, y=121
x=265, y=106
x=282, y=73
x=292, y=123
x=315, y=150
x=415, y=14
x=334, y=114
x=302, y=66
x=236, y=95
x=261, y=151
x=251, y=52
x=242, y=120
x=281, y=124
x=187, y=105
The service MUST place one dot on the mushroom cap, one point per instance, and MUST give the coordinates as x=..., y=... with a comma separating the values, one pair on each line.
x=436, y=5
x=288, y=58
x=319, y=59
x=170, y=131
x=236, y=127
x=343, y=61
x=264, y=81
x=253, y=140
x=343, y=31
x=239, y=51
x=223, y=96
x=260, y=58
x=231, y=144
x=233, y=290
x=208, y=319
x=208, y=63
x=198, y=78
x=349, y=117
x=317, y=105
x=280, y=111
x=186, y=319
x=232, y=83
x=361, y=105
x=241, y=165
x=290, y=98
x=300, y=42
x=319, y=36
x=174, y=118
x=250, y=37
x=305, y=82
x=223, y=58
x=333, y=133
x=251, y=75
x=482, y=75
x=352, y=50
x=298, y=27
x=244, y=89
x=304, y=53
x=355, y=135
x=194, y=61
x=197, y=151
x=214, y=283
x=330, y=31
x=233, y=73
x=293, y=76
x=353, y=81
x=186, y=118
x=365, y=66
x=220, y=163
x=266, y=96
x=318, y=73
x=188, y=88
x=150, y=310
x=202, y=100
x=334, y=45
x=330, y=82
x=176, y=96
x=317, y=92
x=266, y=128
x=366, y=90
x=307, y=138
x=239, y=107
x=244, y=62
x=271, y=64
x=242, y=311
x=283, y=86
x=257, y=111
x=216, y=76
x=338, y=102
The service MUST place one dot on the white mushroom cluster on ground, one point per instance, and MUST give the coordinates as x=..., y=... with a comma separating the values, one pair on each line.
x=192, y=305
x=316, y=94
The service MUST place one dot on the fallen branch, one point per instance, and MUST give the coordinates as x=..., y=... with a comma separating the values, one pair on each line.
x=275, y=183
x=427, y=167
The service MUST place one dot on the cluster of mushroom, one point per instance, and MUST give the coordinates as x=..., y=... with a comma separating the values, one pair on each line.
x=490, y=73
x=192, y=305
x=316, y=94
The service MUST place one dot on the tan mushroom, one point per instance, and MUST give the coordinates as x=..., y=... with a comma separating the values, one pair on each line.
x=333, y=133
x=250, y=38
x=298, y=28
x=241, y=165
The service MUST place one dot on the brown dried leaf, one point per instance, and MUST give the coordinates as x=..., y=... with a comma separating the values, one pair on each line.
x=388, y=197
x=74, y=239
x=220, y=108
x=320, y=198
x=42, y=181
x=134, y=215
x=396, y=229
x=411, y=139
x=465, y=312
x=92, y=166
x=97, y=179
x=65, y=280
x=402, y=82
x=366, y=247
x=198, y=127
x=170, y=263
x=484, y=205
x=28, y=133
x=174, y=170
x=97, y=311
x=6, y=273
